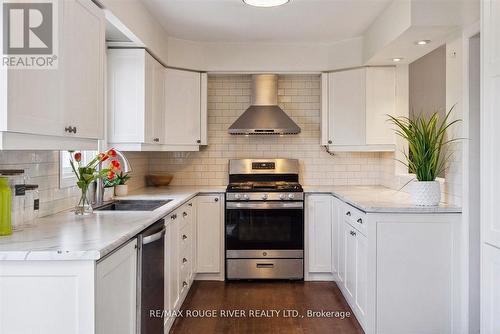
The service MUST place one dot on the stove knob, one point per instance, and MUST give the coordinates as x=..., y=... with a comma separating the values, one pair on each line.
x=245, y=197
x=264, y=197
x=237, y=196
x=291, y=196
x=282, y=196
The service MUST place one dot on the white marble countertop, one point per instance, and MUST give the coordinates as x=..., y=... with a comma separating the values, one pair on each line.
x=64, y=236
x=378, y=199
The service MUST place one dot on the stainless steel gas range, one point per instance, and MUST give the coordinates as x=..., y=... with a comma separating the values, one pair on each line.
x=264, y=226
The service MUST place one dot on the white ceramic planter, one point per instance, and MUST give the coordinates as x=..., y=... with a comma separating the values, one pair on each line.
x=425, y=193
x=121, y=190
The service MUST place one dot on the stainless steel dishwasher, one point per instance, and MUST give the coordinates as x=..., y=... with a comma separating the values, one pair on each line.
x=151, y=278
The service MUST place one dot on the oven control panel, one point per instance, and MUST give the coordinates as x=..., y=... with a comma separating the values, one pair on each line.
x=263, y=165
x=257, y=196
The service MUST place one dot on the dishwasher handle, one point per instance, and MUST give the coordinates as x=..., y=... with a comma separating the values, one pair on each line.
x=152, y=238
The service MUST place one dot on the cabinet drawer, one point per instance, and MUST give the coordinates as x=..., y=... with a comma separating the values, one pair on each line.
x=185, y=237
x=355, y=218
x=186, y=215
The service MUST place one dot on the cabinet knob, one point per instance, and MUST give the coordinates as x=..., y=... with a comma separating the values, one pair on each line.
x=74, y=129
x=330, y=142
x=156, y=140
x=216, y=199
x=184, y=237
x=184, y=214
x=360, y=221
x=184, y=260
x=184, y=283
x=348, y=213
x=198, y=141
x=353, y=233
x=174, y=216
x=190, y=204
x=70, y=129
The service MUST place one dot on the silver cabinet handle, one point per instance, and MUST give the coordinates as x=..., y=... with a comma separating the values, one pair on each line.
x=360, y=221
x=353, y=233
x=184, y=214
x=265, y=265
x=156, y=140
x=70, y=129
x=348, y=213
x=184, y=260
x=184, y=284
x=151, y=238
x=184, y=237
x=190, y=204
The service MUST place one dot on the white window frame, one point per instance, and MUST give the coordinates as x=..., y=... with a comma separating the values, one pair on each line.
x=67, y=178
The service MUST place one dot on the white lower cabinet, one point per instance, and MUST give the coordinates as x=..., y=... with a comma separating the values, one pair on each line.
x=394, y=269
x=115, y=291
x=319, y=212
x=179, y=259
x=210, y=231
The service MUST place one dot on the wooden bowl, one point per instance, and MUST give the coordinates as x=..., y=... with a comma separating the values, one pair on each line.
x=158, y=180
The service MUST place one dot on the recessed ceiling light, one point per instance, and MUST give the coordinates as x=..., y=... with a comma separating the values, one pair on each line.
x=423, y=42
x=265, y=3
x=397, y=60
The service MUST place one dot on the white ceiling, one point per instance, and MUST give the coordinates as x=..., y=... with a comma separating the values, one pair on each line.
x=299, y=21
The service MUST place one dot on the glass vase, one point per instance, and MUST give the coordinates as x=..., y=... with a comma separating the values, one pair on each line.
x=84, y=206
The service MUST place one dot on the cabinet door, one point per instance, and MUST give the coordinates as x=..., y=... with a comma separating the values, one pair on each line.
x=149, y=98
x=126, y=95
x=380, y=102
x=172, y=263
x=82, y=63
x=350, y=261
x=319, y=221
x=116, y=291
x=34, y=97
x=182, y=105
x=337, y=234
x=209, y=234
x=158, y=114
x=346, y=107
x=361, y=294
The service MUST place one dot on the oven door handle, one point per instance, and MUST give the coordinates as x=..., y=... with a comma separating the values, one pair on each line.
x=264, y=205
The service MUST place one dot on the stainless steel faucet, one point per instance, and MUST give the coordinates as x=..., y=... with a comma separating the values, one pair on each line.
x=125, y=167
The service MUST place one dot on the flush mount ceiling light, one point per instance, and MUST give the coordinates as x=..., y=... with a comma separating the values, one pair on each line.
x=397, y=60
x=423, y=42
x=265, y=3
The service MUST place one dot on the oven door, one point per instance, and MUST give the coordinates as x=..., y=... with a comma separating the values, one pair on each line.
x=256, y=229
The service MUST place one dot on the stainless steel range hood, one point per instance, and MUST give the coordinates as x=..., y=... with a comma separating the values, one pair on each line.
x=264, y=117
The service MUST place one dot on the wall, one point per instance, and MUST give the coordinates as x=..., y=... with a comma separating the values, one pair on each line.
x=299, y=96
x=428, y=83
x=42, y=168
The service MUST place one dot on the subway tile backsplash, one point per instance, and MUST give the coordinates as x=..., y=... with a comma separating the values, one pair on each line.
x=42, y=168
x=300, y=97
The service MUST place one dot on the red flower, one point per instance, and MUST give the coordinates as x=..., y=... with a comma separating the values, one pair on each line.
x=78, y=156
x=102, y=157
x=112, y=153
x=115, y=164
x=111, y=175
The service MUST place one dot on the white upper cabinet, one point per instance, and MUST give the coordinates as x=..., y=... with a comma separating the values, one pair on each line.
x=38, y=108
x=186, y=113
x=135, y=99
x=355, y=107
x=83, y=68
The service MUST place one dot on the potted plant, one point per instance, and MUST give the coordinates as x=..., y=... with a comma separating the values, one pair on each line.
x=87, y=174
x=427, y=157
x=121, y=187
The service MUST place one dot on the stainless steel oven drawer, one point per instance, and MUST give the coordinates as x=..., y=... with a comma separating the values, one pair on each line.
x=265, y=268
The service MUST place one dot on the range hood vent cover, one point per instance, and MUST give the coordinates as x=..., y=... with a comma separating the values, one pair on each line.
x=264, y=116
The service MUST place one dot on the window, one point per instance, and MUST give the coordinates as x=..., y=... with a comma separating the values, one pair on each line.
x=66, y=176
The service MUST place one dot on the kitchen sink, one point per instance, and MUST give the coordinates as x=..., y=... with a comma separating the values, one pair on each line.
x=133, y=205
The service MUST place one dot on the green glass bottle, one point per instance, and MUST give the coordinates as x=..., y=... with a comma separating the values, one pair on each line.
x=5, y=207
